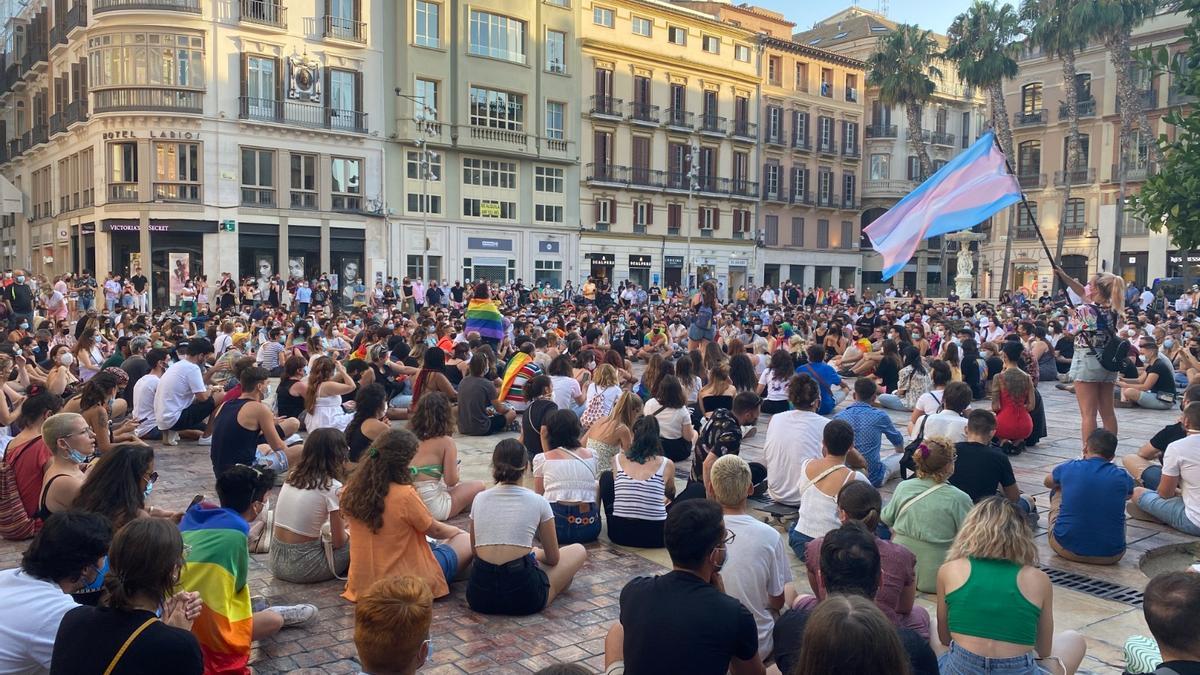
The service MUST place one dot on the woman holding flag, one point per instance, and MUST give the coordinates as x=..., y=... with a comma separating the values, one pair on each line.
x=1103, y=303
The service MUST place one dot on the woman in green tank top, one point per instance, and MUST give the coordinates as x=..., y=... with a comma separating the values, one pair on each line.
x=995, y=609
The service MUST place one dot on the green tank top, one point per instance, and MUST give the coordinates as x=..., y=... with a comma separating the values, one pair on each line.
x=990, y=605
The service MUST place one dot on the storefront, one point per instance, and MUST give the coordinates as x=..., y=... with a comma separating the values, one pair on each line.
x=771, y=274
x=737, y=275
x=602, y=266
x=639, y=269
x=1175, y=264
x=1133, y=267
x=489, y=258
x=258, y=251
x=83, y=247
x=346, y=258
x=304, y=252
x=548, y=265
x=673, y=270
x=176, y=252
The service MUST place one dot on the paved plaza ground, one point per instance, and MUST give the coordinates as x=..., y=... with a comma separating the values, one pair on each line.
x=573, y=628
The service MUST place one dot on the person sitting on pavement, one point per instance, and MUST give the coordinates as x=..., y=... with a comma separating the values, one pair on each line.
x=686, y=609
x=1176, y=502
x=758, y=573
x=566, y=475
x=870, y=425
x=30, y=454
x=792, y=437
x=391, y=626
x=912, y=384
x=982, y=469
x=1170, y=605
x=820, y=481
x=721, y=434
x=1087, y=500
x=307, y=508
x=826, y=377
x=245, y=430
x=436, y=465
x=510, y=575
x=1154, y=388
x=1146, y=464
x=182, y=402
x=995, y=609
x=635, y=492
x=218, y=566
x=477, y=399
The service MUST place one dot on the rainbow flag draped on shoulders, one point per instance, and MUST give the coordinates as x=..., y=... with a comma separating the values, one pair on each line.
x=484, y=318
x=521, y=364
x=217, y=565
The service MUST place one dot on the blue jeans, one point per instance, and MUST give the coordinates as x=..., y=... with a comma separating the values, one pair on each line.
x=446, y=558
x=573, y=525
x=1152, y=476
x=893, y=402
x=1171, y=512
x=958, y=661
x=798, y=540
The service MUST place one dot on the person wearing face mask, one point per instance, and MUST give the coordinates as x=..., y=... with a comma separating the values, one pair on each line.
x=93, y=403
x=60, y=380
x=28, y=456
x=63, y=558
x=119, y=484
x=19, y=299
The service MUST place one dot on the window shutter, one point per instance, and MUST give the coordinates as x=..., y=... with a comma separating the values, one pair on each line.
x=327, y=93
x=597, y=215
x=359, y=121
x=649, y=213
x=716, y=218
x=245, y=87
x=612, y=212
x=764, y=179
x=83, y=78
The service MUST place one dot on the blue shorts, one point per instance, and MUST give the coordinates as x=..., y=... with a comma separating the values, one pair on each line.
x=446, y=558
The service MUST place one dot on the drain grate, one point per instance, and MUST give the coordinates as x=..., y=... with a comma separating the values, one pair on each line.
x=1094, y=587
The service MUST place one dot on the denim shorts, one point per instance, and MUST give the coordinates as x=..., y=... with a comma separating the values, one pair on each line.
x=1085, y=367
x=959, y=661
x=446, y=558
x=517, y=588
x=575, y=526
x=1172, y=512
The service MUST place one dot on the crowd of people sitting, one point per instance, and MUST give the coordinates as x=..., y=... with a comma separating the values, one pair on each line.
x=331, y=433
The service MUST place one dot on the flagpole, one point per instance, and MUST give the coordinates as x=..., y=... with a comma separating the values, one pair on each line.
x=1025, y=203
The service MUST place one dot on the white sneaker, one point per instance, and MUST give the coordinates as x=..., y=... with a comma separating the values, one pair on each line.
x=204, y=440
x=295, y=615
x=170, y=438
x=294, y=439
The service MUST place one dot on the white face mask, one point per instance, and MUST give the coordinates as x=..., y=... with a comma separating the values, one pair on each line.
x=66, y=359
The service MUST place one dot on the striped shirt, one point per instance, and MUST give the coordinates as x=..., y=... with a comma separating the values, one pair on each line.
x=640, y=499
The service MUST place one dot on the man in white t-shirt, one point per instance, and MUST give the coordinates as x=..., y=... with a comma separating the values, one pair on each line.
x=143, y=396
x=792, y=437
x=182, y=402
x=1177, y=500
x=757, y=571
x=64, y=557
x=1147, y=299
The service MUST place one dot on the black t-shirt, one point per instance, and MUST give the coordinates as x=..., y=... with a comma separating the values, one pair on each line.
x=139, y=284
x=704, y=628
x=889, y=373
x=1180, y=667
x=1166, y=436
x=531, y=424
x=475, y=394
x=1066, y=349
x=1166, y=378
x=21, y=297
x=89, y=637
x=979, y=469
x=789, y=635
x=456, y=293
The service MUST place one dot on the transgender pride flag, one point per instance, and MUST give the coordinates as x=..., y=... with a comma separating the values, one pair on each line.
x=962, y=194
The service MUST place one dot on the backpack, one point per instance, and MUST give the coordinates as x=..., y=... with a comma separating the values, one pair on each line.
x=704, y=317
x=594, y=412
x=15, y=523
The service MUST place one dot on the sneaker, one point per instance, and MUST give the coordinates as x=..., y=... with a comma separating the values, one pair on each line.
x=258, y=603
x=294, y=439
x=295, y=615
x=204, y=440
x=170, y=438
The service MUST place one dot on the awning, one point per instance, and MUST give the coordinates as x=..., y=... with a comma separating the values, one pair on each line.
x=11, y=200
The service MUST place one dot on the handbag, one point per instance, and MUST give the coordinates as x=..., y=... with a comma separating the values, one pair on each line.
x=128, y=641
x=907, y=463
x=327, y=545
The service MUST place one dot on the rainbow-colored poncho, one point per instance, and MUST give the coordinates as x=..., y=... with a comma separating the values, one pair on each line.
x=484, y=318
x=217, y=565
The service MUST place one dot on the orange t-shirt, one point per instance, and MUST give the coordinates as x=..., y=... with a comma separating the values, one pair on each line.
x=398, y=548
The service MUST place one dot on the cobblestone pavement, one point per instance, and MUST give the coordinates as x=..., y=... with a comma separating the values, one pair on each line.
x=573, y=628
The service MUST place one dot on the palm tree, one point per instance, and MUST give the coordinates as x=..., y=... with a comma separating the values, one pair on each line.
x=1112, y=22
x=1050, y=25
x=902, y=68
x=982, y=42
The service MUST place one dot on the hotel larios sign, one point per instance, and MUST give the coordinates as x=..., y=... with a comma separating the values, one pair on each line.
x=155, y=135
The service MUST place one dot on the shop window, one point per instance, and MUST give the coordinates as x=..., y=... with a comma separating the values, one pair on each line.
x=548, y=271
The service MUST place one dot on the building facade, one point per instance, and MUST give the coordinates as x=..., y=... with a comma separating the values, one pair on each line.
x=191, y=138
x=1036, y=101
x=890, y=167
x=482, y=151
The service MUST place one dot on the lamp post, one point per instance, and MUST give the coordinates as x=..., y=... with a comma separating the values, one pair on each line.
x=693, y=176
x=426, y=119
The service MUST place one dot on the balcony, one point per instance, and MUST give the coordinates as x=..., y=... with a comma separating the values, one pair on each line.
x=828, y=201
x=1140, y=171
x=1074, y=229
x=849, y=202
x=1085, y=108
x=800, y=197
x=507, y=139
x=744, y=130
x=264, y=13
x=1179, y=97
x=643, y=113
x=177, y=192
x=58, y=33
x=27, y=141
x=1026, y=233
x=339, y=28
x=677, y=180
x=888, y=189
x=35, y=54
x=135, y=99
x=651, y=179
x=76, y=111
x=706, y=233
x=58, y=123
x=881, y=131
x=941, y=138
x=606, y=173
x=639, y=228
x=712, y=125
x=1084, y=176
x=1031, y=181
x=803, y=144
x=14, y=148
x=189, y=6
x=678, y=118
x=1028, y=119
x=555, y=147
x=77, y=16
x=301, y=114
x=851, y=152
x=605, y=106
x=122, y=192
x=774, y=195
x=774, y=137
x=41, y=134
x=827, y=148
x=740, y=187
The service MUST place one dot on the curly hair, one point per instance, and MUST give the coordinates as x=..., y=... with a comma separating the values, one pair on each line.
x=322, y=371
x=432, y=417
x=804, y=392
x=994, y=529
x=935, y=458
x=385, y=462
x=321, y=460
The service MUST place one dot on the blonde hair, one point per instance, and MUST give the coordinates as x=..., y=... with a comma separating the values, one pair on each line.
x=994, y=529
x=1113, y=287
x=627, y=409
x=730, y=477
x=935, y=458
x=605, y=376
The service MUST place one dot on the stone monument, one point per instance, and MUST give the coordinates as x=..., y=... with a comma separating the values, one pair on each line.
x=964, y=280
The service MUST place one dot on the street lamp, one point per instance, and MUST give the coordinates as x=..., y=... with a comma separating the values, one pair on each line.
x=693, y=176
x=426, y=120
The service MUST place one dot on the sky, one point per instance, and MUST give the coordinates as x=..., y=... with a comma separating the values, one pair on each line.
x=931, y=14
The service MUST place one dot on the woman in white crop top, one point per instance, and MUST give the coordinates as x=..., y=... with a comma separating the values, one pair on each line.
x=308, y=502
x=568, y=478
x=510, y=575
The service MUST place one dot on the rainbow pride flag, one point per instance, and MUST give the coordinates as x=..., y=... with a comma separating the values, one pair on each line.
x=484, y=318
x=217, y=565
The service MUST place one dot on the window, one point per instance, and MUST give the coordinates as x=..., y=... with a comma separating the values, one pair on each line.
x=914, y=167
x=822, y=234
x=825, y=186
x=799, y=183
x=1026, y=219
x=86, y=178
x=710, y=218
x=849, y=189
x=258, y=177
x=556, y=55
x=741, y=53
x=489, y=208
x=797, y=231
x=122, y=172
x=847, y=234
x=602, y=16
x=1031, y=99
x=711, y=44
x=1029, y=158
x=827, y=82
x=177, y=172
x=548, y=179
x=941, y=120
x=417, y=200
x=825, y=133
x=643, y=215
x=677, y=35
x=966, y=130
x=850, y=137
x=343, y=100
x=261, y=78
x=547, y=271
x=489, y=173
x=554, y=120
x=881, y=166
x=771, y=180
x=425, y=100
x=774, y=66
x=497, y=36
x=775, y=124
x=643, y=26
x=146, y=59
x=674, y=218
x=802, y=77
x=851, y=87
x=800, y=129
x=346, y=185
x=435, y=266
x=1084, y=147
x=606, y=211
x=413, y=166
x=496, y=109
x=426, y=26
x=547, y=213
x=1073, y=217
